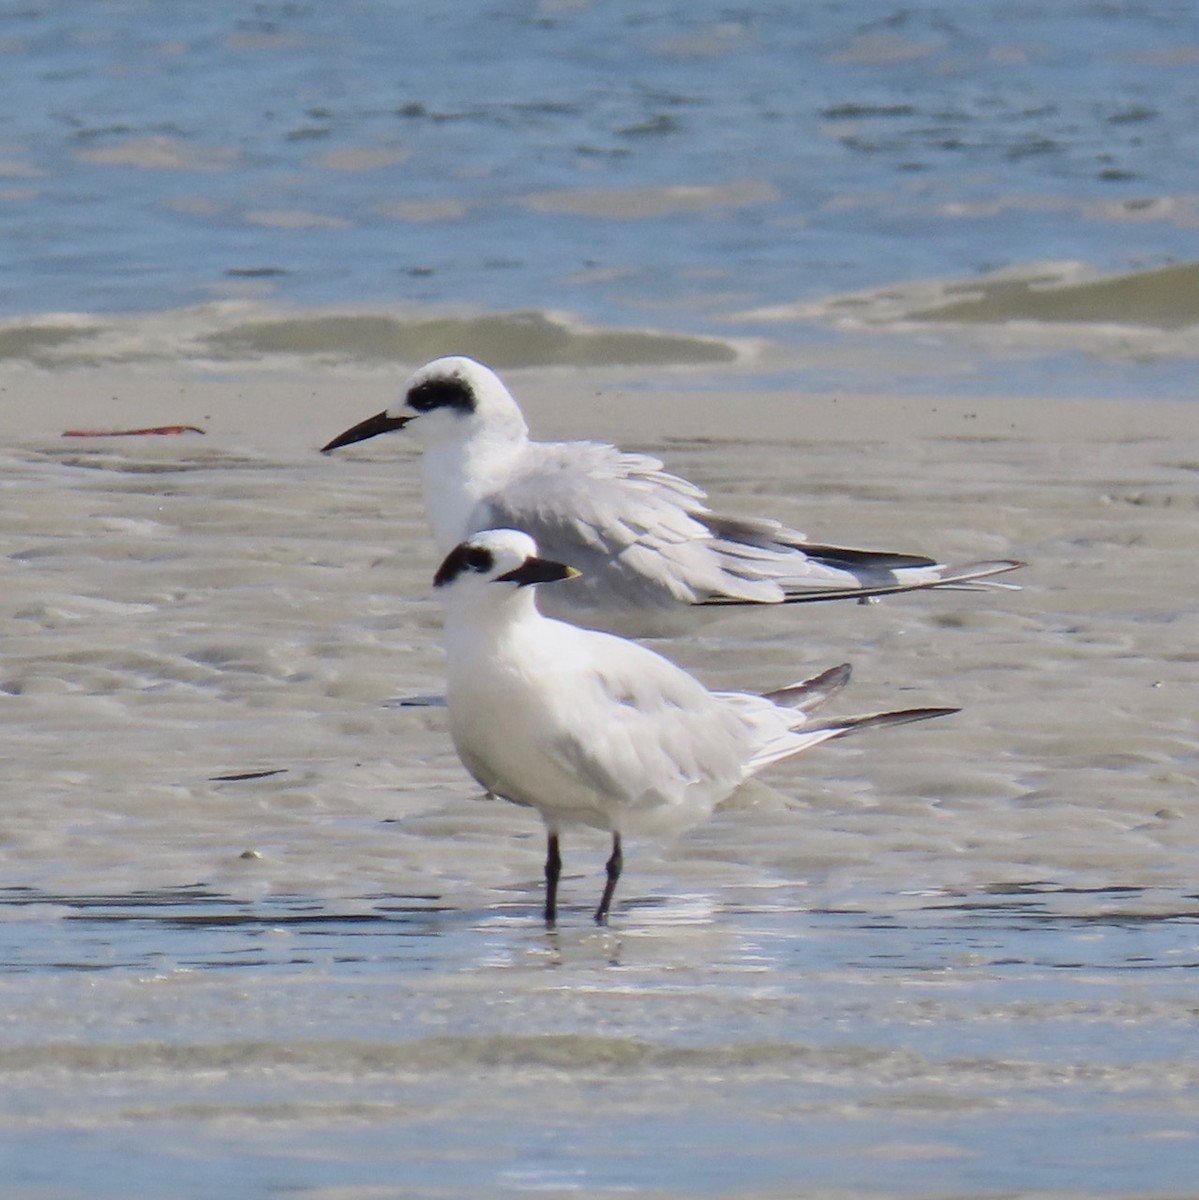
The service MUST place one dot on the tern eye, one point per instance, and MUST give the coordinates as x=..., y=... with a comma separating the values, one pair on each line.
x=479, y=559
x=463, y=558
x=441, y=393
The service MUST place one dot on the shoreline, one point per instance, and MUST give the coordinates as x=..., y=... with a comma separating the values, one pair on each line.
x=275, y=410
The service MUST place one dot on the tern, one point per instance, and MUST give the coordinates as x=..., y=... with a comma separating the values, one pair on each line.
x=593, y=730
x=646, y=542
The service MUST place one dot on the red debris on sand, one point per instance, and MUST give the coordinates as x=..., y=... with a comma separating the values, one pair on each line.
x=154, y=429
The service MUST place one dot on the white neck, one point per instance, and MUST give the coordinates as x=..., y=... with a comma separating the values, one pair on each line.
x=475, y=621
x=458, y=476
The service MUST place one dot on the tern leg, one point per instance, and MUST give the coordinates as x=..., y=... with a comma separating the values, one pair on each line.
x=553, y=869
x=614, y=865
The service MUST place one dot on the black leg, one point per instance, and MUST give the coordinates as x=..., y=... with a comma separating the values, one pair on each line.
x=553, y=869
x=615, y=863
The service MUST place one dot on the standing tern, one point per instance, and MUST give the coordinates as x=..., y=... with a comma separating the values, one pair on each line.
x=593, y=730
x=644, y=539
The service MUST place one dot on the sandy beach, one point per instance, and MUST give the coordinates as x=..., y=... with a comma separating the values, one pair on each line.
x=184, y=606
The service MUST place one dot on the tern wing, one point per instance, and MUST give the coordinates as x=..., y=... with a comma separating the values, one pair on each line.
x=644, y=538
x=638, y=534
x=643, y=733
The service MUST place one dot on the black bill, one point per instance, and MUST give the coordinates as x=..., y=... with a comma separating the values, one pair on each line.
x=371, y=427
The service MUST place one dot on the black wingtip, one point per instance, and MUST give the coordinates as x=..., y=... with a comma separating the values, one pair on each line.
x=903, y=717
x=371, y=427
x=811, y=693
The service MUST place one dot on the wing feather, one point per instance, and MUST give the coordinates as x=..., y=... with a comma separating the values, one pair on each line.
x=664, y=742
x=645, y=539
x=638, y=533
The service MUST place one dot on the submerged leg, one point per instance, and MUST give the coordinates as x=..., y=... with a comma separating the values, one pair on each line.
x=615, y=862
x=553, y=869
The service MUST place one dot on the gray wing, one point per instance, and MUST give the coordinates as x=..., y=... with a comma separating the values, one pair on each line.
x=645, y=540
x=638, y=534
x=647, y=735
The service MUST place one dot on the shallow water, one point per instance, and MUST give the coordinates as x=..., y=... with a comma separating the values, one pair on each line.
x=950, y=959
x=673, y=166
x=919, y=199
x=750, y=1050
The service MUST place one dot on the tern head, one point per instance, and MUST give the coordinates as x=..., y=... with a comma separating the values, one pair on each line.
x=448, y=400
x=501, y=557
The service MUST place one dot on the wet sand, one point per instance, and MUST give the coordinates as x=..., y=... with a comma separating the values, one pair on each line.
x=332, y=979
